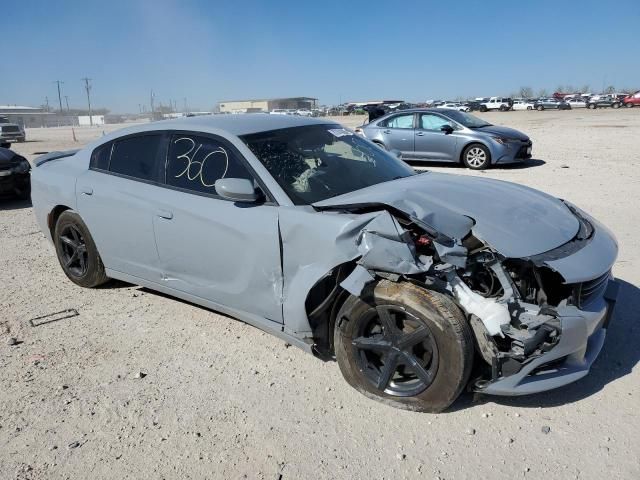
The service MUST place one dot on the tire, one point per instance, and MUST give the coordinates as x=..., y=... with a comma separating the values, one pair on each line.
x=616, y=105
x=529, y=107
x=540, y=108
x=77, y=252
x=592, y=106
x=442, y=350
x=25, y=194
x=476, y=157
x=483, y=108
x=503, y=108
x=629, y=105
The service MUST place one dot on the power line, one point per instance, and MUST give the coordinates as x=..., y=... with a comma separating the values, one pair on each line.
x=87, y=87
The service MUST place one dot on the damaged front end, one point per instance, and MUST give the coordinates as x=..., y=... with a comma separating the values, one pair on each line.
x=537, y=325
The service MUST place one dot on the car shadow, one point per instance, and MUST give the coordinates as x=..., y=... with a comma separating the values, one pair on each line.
x=14, y=204
x=532, y=162
x=618, y=357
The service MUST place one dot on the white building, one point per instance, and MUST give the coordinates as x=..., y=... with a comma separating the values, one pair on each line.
x=85, y=120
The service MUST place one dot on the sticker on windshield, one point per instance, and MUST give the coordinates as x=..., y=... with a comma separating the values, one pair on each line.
x=340, y=132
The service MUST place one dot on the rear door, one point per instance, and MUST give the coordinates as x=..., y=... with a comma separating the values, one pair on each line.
x=219, y=250
x=397, y=133
x=431, y=143
x=115, y=198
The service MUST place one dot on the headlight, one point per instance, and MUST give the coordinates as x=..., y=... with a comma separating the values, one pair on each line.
x=22, y=167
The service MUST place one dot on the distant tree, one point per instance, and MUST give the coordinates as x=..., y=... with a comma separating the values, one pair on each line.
x=585, y=88
x=542, y=93
x=561, y=88
x=526, y=92
x=570, y=88
x=610, y=89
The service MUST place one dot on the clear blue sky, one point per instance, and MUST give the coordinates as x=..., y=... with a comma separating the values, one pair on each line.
x=334, y=50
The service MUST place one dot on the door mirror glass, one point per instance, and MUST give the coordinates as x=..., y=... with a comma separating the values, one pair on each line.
x=236, y=189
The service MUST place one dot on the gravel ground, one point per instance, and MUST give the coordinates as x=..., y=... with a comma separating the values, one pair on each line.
x=142, y=385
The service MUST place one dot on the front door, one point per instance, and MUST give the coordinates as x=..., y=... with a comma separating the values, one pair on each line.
x=431, y=142
x=216, y=249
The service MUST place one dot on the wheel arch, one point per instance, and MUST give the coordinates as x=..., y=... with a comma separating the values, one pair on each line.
x=322, y=304
x=474, y=142
x=54, y=215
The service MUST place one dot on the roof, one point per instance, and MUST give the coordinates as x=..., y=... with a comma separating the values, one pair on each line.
x=17, y=107
x=238, y=124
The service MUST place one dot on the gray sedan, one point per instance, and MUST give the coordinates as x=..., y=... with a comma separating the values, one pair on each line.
x=446, y=135
x=300, y=227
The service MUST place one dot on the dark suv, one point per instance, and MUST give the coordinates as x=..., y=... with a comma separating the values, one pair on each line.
x=604, y=101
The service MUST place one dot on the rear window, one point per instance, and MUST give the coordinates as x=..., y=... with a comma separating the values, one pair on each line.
x=136, y=156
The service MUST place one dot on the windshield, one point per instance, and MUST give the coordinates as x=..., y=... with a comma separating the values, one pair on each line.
x=467, y=120
x=313, y=163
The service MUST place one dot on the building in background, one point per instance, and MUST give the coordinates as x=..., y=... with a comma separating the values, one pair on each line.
x=29, y=117
x=267, y=105
x=84, y=120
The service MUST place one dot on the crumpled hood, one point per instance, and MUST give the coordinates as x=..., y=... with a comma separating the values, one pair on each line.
x=504, y=132
x=515, y=220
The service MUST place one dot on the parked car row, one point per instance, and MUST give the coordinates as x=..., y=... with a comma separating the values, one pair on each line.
x=303, y=112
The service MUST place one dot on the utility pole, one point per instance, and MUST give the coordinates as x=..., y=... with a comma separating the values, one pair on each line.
x=152, y=108
x=87, y=87
x=59, y=95
x=66, y=99
x=46, y=99
x=185, y=104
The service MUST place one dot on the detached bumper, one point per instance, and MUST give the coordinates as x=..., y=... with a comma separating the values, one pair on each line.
x=582, y=338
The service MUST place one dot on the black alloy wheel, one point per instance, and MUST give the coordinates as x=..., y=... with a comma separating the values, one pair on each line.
x=396, y=352
x=74, y=255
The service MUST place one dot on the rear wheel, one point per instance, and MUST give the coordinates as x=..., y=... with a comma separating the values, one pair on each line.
x=629, y=105
x=476, y=157
x=77, y=252
x=540, y=108
x=404, y=346
x=592, y=106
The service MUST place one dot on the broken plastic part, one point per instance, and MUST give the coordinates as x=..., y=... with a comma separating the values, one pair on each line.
x=492, y=313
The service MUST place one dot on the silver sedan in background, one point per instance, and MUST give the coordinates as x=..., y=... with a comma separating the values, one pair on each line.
x=446, y=135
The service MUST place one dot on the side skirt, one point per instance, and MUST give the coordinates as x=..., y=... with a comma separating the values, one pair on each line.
x=264, y=324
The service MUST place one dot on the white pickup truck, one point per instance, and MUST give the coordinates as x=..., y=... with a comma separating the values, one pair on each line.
x=496, y=103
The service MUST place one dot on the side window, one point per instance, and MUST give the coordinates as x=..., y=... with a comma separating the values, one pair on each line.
x=101, y=156
x=136, y=156
x=400, y=121
x=429, y=121
x=195, y=163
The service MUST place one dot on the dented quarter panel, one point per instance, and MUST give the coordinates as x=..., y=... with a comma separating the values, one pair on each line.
x=515, y=220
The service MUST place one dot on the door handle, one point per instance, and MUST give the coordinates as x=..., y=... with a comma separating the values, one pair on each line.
x=165, y=214
x=420, y=134
x=86, y=190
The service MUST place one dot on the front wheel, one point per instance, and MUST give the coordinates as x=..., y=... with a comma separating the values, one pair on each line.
x=476, y=157
x=616, y=105
x=404, y=346
x=540, y=108
x=77, y=252
x=592, y=106
x=529, y=107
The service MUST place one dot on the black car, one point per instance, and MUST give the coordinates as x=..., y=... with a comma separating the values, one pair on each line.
x=15, y=174
x=551, y=104
x=474, y=105
x=604, y=102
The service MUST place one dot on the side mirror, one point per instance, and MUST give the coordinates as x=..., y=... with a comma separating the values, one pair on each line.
x=236, y=189
x=396, y=153
x=447, y=129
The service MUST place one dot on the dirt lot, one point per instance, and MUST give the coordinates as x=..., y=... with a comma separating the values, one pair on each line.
x=220, y=399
